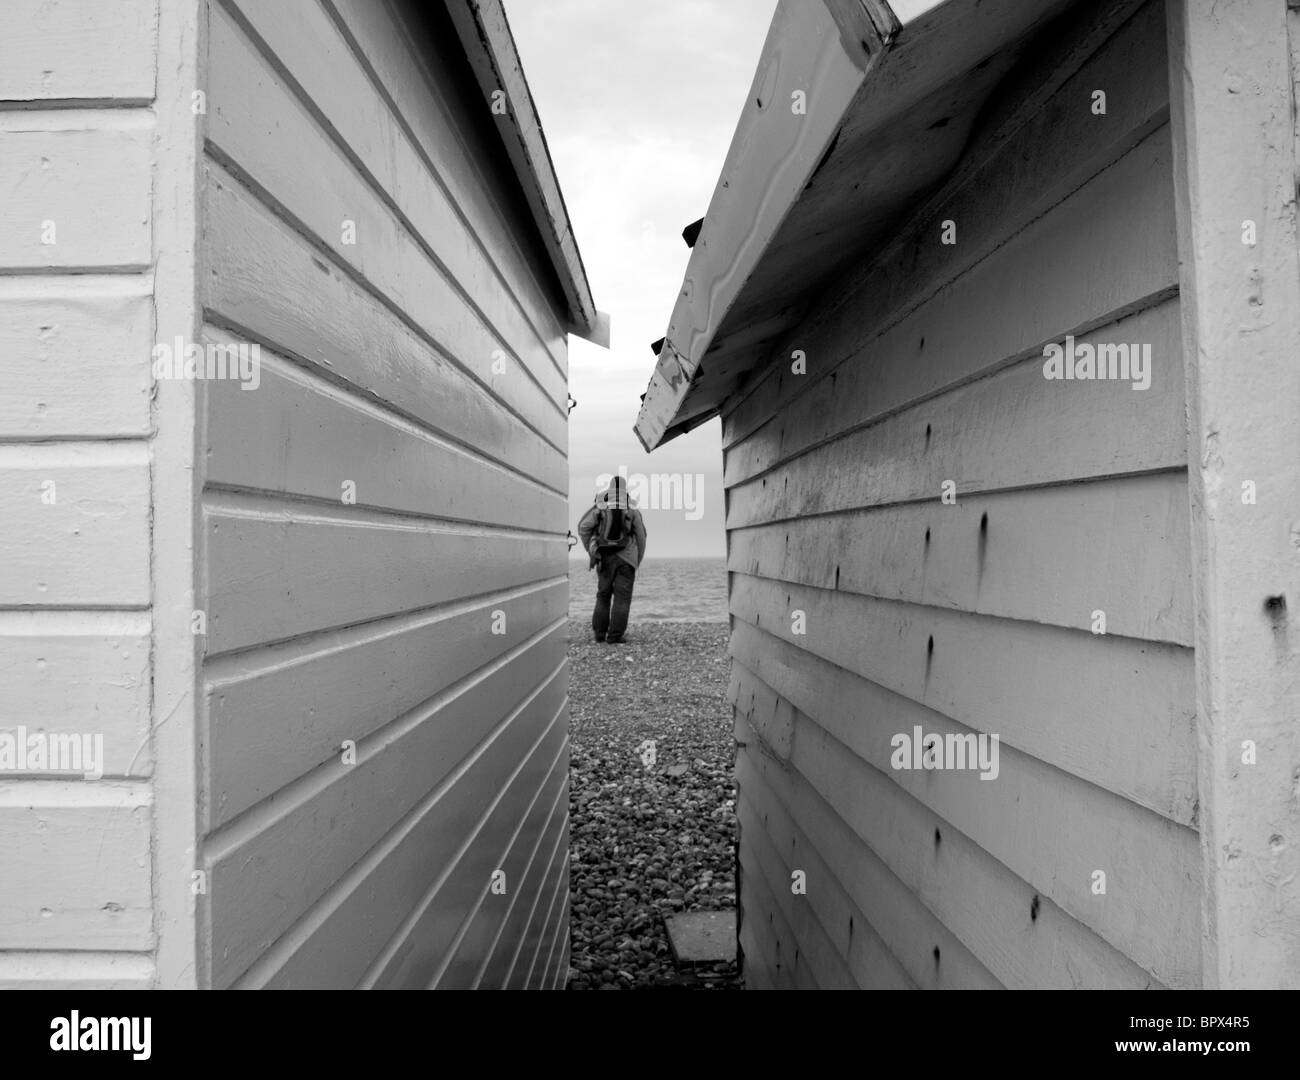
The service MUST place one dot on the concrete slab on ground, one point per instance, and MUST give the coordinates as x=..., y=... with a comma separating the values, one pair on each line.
x=702, y=936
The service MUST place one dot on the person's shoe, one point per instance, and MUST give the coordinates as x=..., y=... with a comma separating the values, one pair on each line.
x=612, y=640
x=600, y=638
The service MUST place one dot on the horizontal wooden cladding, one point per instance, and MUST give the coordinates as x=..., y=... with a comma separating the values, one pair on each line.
x=498, y=939
x=267, y=870
x=255, y=123
x=84, y=50
x=1050, y=555
x=808, y=916
x=76, y=859
x=398, y=910
x=1061, y=274
x=863, y=823
x=76, y=525
x=54, y=219
x=878, y=924
x=1116, y=712
x=552, y=904
x=523, y=842
x=1015, y=428
x=76, y=355
x=80, y=673
x=1053, y=830
x=276, y=572
x=44, y=970
x=997, y=191
x=274, y=716
x=441, y=114
x=271, y=284
x=299, y=435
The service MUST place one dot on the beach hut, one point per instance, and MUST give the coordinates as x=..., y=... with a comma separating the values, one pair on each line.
x=283, y=441
x=999, y=306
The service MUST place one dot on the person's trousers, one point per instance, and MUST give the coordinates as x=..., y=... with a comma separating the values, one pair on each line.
x=614, y=579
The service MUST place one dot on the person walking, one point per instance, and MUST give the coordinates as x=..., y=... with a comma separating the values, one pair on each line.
x=613, y=534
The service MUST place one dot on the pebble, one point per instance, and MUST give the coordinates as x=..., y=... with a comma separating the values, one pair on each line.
x=652, y=831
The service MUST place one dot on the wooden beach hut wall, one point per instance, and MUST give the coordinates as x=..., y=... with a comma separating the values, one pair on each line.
x=929, y=214
x=316, y=610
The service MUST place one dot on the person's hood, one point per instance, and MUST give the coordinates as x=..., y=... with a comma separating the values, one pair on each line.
x=615, y=496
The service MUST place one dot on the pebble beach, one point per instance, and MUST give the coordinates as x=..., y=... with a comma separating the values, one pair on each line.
x=652, y=829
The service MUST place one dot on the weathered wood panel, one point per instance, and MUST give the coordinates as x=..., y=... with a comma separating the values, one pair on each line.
x=1052, y=830
x=899, y=941
x=1115, y=711
x=76, y=355
x=77, y=866
x=83, y=673
x=274, y=715
x=333, y=569
x=1051, y=148
x=78, y=50
x=382, y=557
x=401, y=222
x=1051, y=555
x=299, y=435
x=863, y=605
x=270, y=283
x=53, y=218
x=89, y=505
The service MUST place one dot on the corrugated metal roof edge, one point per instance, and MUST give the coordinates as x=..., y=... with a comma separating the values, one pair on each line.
x=490, y=47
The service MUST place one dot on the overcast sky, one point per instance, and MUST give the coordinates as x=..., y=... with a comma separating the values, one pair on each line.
x=638, y=99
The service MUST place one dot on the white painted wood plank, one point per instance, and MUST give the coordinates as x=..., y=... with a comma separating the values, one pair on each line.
x=268, y=869
x=982, y=902
x=835, y=938
x=1109, y=710
x=813, y=945
x=46, y=970
x=78, y=49
x=1234, y=116
x=891, y=929
x=273, y=574
x=77, y=862
x=440, y=114
x=77, y=354
x=1013, y=429
x=1053, y=831
x=782, y=943
x=89, y=546
x=302, y=436
x=273, y=716
x=272, y=284
x=54, y=219
x=529, y=816
x=555, y=911
x=497, y=958
x=466, y=306
x=406, y=874
x=82, y=673
x=1050, y=555
x=1061, y=275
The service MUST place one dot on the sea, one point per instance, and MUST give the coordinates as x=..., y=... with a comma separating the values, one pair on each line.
x=666, y=590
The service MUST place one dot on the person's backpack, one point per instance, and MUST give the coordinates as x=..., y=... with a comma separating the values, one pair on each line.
x=613, y=530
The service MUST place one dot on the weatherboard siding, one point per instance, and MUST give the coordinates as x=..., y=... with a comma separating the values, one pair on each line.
x=393, y=488
x=77, y=423
x=978, y=617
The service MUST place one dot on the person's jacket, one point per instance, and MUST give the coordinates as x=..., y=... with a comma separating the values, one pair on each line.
x=614, y=497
